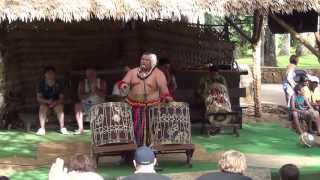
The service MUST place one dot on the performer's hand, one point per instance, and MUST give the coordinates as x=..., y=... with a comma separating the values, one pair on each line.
x=57, y=170
x=124, y=86
x=168, y=99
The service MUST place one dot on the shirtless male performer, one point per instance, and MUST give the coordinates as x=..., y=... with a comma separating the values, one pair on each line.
x=148, y=86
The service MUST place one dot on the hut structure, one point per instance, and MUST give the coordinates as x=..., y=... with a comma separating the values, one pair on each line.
x=73, y=34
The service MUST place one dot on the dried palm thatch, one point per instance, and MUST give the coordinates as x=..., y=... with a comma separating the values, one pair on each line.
x=76, y=10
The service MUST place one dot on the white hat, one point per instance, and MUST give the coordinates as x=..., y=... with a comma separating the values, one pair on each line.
x=314, y=79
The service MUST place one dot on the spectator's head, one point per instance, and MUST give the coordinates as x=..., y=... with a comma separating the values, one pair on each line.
x=144, y=158
x=304, y=80
x=148, y=61
x=298, y=89
x=49, y=73
x=81, y=163
x=289, y=172
x=91, y=73
x=294, y=59
x=233, y=161
x=314, y=81
x=4, y=178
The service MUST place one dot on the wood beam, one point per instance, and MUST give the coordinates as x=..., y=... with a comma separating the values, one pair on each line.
x=239, y=30
x=296, y=35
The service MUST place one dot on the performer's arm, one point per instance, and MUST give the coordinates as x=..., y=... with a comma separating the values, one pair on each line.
x=163, y=87
x=125, y=82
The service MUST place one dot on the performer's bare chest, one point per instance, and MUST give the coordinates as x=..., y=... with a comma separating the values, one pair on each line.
x=149, y=83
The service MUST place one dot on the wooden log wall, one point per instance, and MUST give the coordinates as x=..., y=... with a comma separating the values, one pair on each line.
x=107, y=45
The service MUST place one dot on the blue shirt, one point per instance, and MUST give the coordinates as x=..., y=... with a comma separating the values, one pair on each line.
x=300, y=103
x=50, y=92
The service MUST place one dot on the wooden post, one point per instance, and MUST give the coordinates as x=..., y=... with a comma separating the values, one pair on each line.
x=296, y=35
x=256, y=53
x=317, y=36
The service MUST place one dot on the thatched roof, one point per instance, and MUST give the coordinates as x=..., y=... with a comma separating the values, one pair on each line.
x=68, y=10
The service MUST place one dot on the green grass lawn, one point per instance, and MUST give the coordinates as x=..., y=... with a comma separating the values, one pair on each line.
x=261, y=138
x=306, y=61
x=258, y=138
x=20, y=143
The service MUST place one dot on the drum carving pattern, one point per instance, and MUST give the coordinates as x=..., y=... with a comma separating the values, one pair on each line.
x=111, y=123
x=170, y=123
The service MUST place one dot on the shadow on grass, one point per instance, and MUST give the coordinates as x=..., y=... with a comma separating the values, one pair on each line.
x=18, y=143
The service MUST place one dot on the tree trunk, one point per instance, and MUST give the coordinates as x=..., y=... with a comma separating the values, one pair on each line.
x=317, y=39
x=301, y=50
x=256, y=52
x=269, y=48
x=257, y=46
x=285, y=45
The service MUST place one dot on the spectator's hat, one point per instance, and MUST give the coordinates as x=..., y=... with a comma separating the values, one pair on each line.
x=314, y=79
x=144, y=156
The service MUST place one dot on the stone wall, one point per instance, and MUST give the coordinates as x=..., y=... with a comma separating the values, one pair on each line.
x=275, y=75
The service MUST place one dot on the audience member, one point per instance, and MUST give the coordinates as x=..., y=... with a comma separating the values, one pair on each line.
x=232, y=166
x=289, y=82
x=81, y=168
x=4, y=178
x=289, y=172
x=50, y=96
x=144, y=162
x=312, y=92
x=91, y=91
x=301, y=109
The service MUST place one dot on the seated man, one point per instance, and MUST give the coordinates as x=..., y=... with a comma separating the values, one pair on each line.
x=312, y=92
x=50, y=96
x=232, y=165
x=91, y=91
x=144, y=162
x=214, y=93
x=301, y=109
